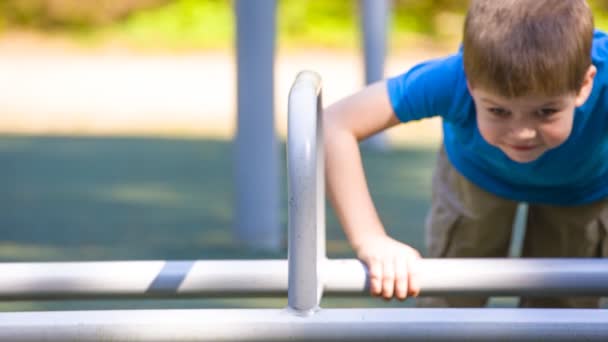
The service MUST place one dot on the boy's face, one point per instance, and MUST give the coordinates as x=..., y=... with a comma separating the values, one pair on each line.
x=526, y=127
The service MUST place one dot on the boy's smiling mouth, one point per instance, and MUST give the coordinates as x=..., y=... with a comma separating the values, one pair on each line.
x=523, y=153
x=523, y=147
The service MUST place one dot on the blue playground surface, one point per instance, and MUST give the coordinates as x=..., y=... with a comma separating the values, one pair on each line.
x=110, y=198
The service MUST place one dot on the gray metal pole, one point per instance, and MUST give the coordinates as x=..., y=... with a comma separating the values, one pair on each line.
x=519, y=230
x=374, y=18
x=326, y=325
x=256, y=154
x=223, y=278
x=306, y=193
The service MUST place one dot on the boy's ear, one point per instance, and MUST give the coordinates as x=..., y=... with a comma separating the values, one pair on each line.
x=587, y=86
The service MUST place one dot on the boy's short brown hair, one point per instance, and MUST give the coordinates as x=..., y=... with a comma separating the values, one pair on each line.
x=522, y=47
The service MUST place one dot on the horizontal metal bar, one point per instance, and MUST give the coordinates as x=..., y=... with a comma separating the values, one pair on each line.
x=499, y=277
x=325, y=325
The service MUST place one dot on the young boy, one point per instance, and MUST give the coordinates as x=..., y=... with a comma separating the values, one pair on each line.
x=525, y=118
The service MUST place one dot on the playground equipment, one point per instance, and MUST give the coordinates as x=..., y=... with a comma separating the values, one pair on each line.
x=257, y=188
x=374, y=24
x=307, y=275
x=256, y=160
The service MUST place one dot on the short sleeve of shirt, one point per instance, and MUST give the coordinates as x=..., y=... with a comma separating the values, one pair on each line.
x=432, y=88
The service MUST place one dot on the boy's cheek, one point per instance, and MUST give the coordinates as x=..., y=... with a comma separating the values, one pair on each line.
x=489, y=132
x=557, y=133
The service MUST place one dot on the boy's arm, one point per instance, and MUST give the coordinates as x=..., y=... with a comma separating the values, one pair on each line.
x=345, y=123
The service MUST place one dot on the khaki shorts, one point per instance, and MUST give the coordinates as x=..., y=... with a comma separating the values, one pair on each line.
x=466, y=221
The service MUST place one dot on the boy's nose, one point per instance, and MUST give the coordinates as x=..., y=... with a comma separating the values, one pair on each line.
x=525, y=133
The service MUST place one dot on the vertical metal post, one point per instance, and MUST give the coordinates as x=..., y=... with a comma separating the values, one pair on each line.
x=306, y=194
x=320, y=181
x=374, y=15
x=256, y=154
x=519, y=230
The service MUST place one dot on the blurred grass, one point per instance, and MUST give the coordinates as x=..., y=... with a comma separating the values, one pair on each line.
x=87, y=198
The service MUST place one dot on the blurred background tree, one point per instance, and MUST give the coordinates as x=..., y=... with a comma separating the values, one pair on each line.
x=48, y=14
x=209, y=23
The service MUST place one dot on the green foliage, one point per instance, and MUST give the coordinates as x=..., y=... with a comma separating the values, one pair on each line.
x=421, y=16
x=210, y=23
x=178, y=24
x=23, y=13
x=600, y=13
x=182, y=23
x=69, y=14
x=320, y=23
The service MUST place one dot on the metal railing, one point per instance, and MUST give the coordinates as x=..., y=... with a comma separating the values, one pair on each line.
x=306, y=193
x=255, y=278
x=306, y=276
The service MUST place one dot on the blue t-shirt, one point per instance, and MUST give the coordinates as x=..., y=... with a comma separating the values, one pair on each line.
x=576, y=172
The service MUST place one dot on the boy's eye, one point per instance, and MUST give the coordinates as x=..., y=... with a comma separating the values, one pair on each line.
x=500, y=112
x=546, y=112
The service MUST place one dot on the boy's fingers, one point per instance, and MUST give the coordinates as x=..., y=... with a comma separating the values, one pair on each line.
x=414, y=288
x=388, y=278
x=375, y=277
x=401, y=278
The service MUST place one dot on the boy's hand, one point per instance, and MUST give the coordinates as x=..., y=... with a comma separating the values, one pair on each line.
x=390, y=264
